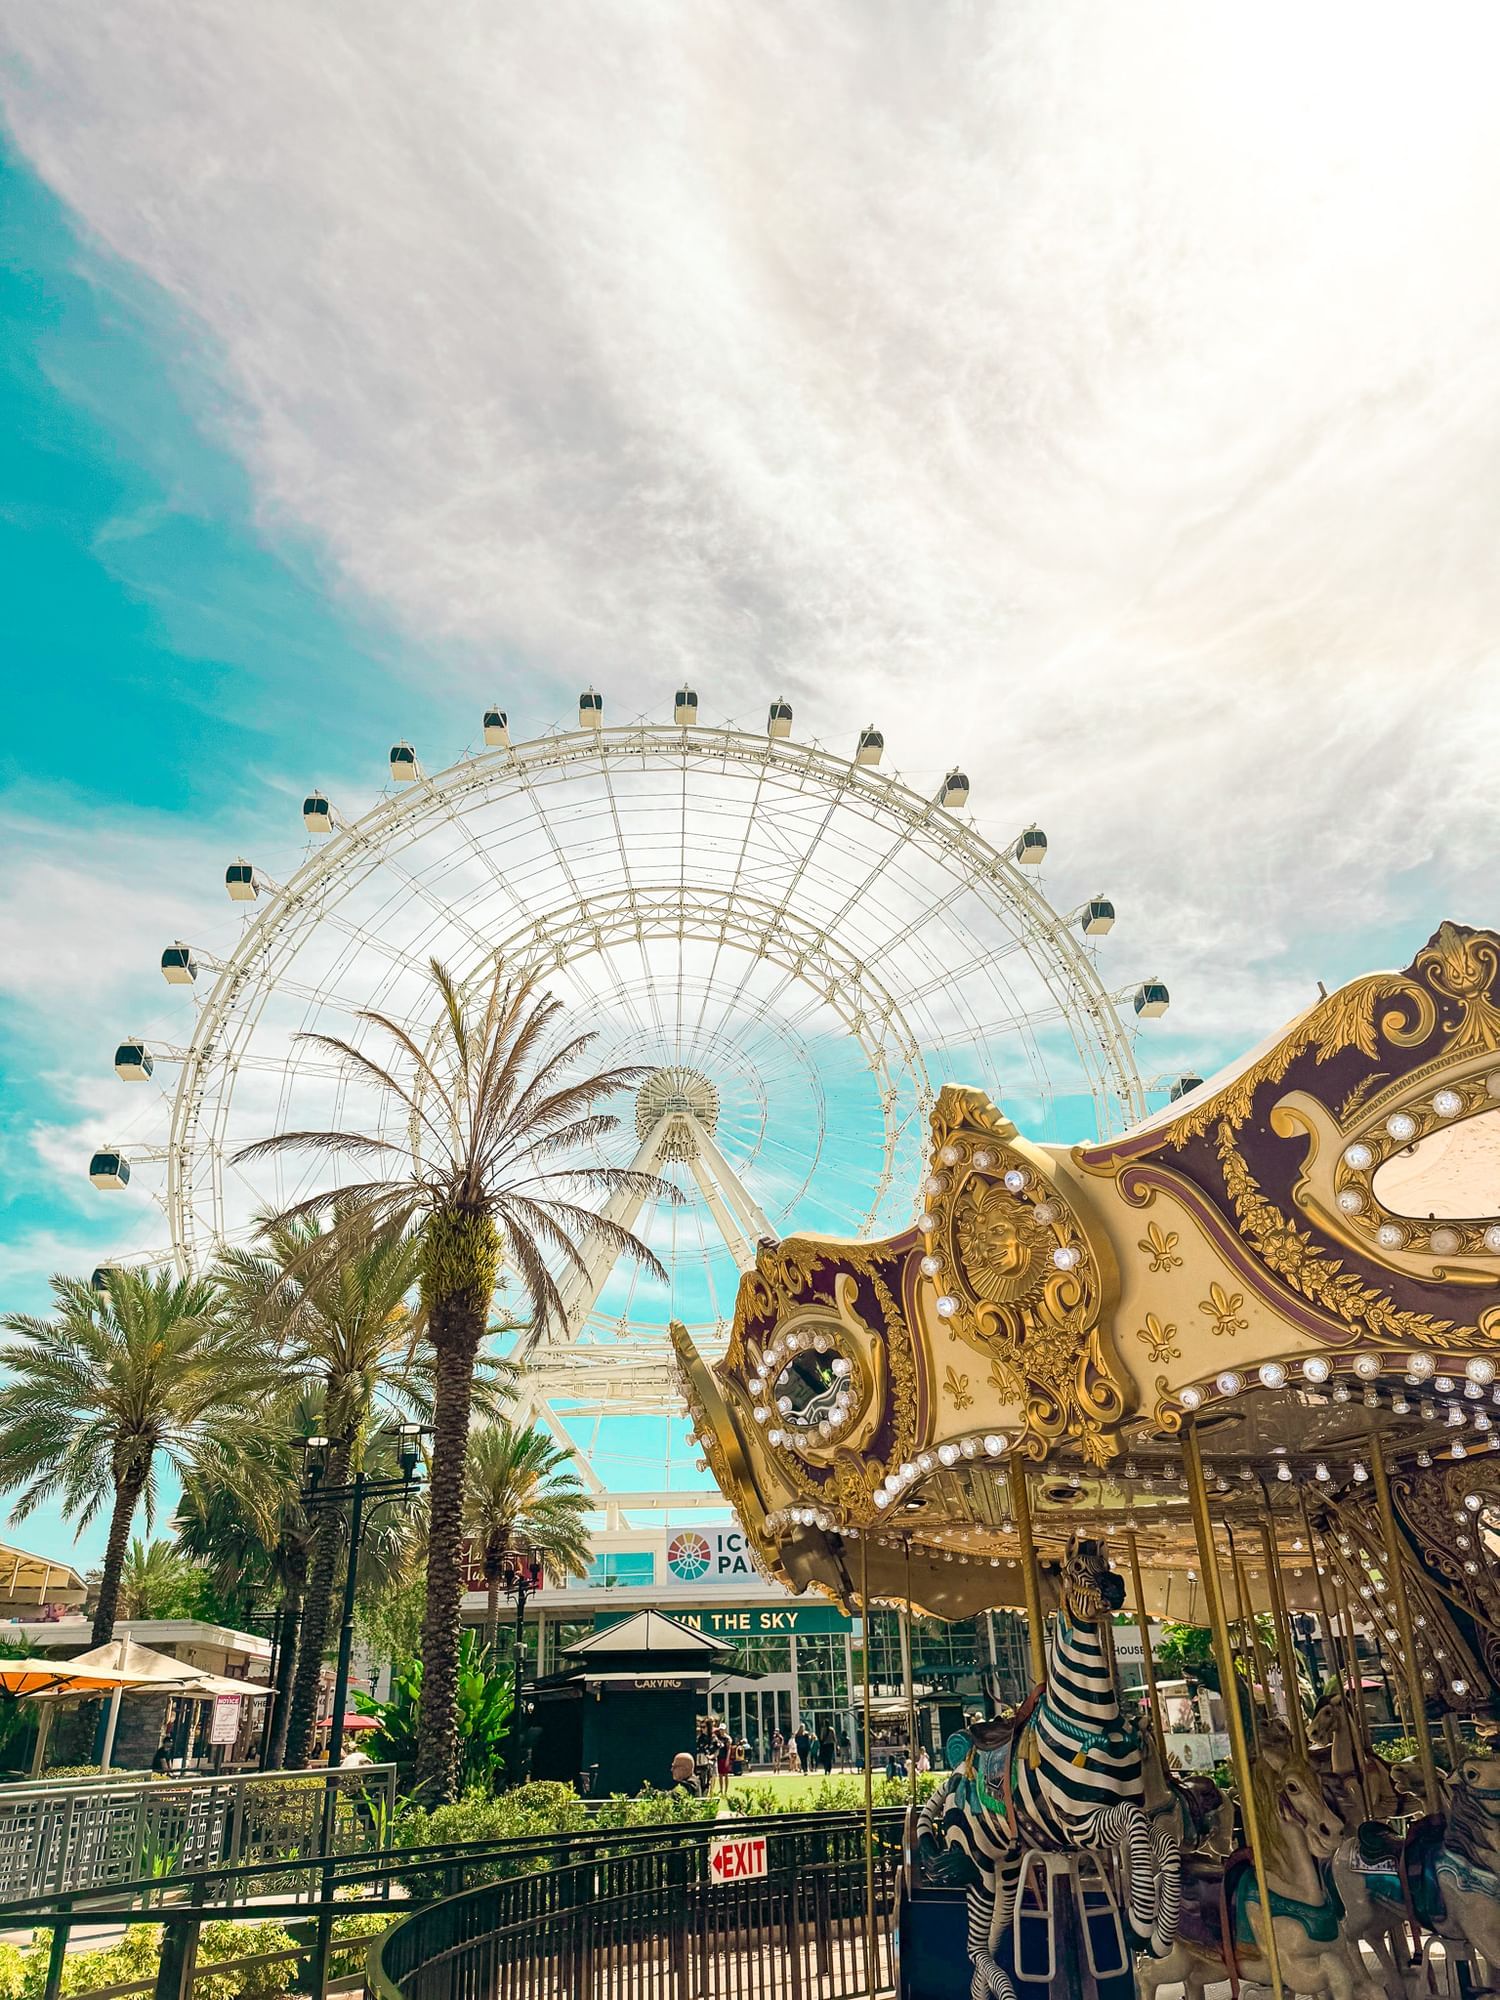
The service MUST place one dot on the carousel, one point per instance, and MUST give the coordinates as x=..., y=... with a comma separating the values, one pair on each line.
x=1236, y=1367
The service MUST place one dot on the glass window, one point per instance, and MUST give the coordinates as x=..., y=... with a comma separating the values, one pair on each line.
x=617, y=1567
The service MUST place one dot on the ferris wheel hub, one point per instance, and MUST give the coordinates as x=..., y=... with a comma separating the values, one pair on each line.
x=684, y=1095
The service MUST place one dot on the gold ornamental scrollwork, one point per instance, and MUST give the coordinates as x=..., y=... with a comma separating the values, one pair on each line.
x=1464, y=970
x=1346, y=1019
x=1292, y=1255
x=1021, y=1281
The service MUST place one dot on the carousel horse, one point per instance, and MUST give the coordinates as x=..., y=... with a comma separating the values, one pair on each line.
x=1192, y=1806
x=1358, y=1785
x=1063, y=1775
x=1444, y=1874
x=1223, y=1925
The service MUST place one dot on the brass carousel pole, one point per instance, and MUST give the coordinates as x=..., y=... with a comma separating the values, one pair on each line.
x=1031, y=1583
x=1402, y=1607
x=911, y=1685
x=1331, y=1644
x=864, y=1598
x=1286, y=1651
x=1247, y=1633
x=1148, y=1664
x=1213, y=1591
x=1345, y=1604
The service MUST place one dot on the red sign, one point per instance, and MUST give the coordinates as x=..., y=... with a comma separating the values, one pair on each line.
x=737, y=1860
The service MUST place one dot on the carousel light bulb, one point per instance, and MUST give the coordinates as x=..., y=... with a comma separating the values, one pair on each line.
x=1065, y=1256
x=842, y=1365
x=947, y=1306
x=994, y=1443
x=1361, y=1472
x=984, y=1159
x=1443, y=1384
x=1400, y=1407
x=1420, y=1364
x=776, y=1437
x=1129, y=1468
x=926, y=1222
x=1401, y=1126
x=1272, y=1374
x=1320, y=1471
x=1447, y=1103
x=1492, y=1238
x=1390, y=1236
x=907, y=1473
x=1458, y=1450
x=1340, y=1393
x=1480, y=1370
x=1351, y=1201
x=1424, y=1459
x=1358, y=1156
x=935, y=1184
x=1458, y=1687
x=950, y=1156
x=1191, y=1397
x=784, y=1404
x=1016, y=1178
x=1315, y=1369
x=1283, y=1471
x=931, y=1267
x=1443, y=1242
x=968, y=1448
x=925, y=1461
x=947, y=1454
x=1456, y=1418
x=1043, y=1214
x=762, y=1414
x=1229, y=1384
x=1367, y=1366
x=881, y=1497
x=1474, y=1502
x=1372, y=1399
x=1471, y=1568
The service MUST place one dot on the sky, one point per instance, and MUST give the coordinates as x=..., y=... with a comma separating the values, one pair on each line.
x=1109, y=398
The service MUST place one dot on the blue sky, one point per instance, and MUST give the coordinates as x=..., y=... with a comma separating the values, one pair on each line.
x=1113, y=410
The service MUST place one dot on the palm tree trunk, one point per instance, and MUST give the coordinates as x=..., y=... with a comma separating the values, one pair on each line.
x=492, y=1613
x=286, y=1668
x=326, y=1549
x=456, y=1329
x=128, y=1491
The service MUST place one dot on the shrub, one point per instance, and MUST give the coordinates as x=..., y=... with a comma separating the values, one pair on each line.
x=23, y=1975
x=832, y=1795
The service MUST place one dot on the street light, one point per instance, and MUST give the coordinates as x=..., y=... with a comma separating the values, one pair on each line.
x=362, y=1495
x=521, y=1574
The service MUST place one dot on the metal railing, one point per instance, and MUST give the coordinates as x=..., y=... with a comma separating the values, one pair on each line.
x=654, y=1923
x=55, y=1841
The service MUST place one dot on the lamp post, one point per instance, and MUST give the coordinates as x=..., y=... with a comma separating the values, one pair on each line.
x=520, y=1576
x=361, y=1495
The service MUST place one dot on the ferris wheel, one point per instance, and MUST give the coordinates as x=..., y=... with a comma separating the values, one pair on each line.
x=796, y=947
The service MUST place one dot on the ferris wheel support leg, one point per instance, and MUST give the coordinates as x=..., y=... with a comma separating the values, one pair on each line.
x=752, y=1216
x=580, y=1289
x=743, y=1252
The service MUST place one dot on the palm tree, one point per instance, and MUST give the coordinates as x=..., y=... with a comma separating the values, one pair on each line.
x=242, y=1517
x=157, y=1580
x=518, y=1497
x=110, y=1383
x=488, y=1115
x=340, y=1303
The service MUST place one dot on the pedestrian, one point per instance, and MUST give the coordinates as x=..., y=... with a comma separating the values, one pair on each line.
x=804, y=1742
x=725, y=1752
x=778, y=1749
x=827, y=1749
x=705, y=1759
x=684, y=1773
x=924, y=1762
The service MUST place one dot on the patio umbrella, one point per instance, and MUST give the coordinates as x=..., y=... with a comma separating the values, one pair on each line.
x=44, y=1676
x=119, y=1664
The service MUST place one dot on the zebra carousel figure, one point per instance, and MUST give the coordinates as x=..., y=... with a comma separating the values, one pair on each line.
x=1062, y=1778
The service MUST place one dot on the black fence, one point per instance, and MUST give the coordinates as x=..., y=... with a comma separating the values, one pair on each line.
x=688, y=1917
x=635, y=1912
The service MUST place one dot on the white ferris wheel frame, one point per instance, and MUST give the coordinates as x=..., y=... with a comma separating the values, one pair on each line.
x=637, y=1377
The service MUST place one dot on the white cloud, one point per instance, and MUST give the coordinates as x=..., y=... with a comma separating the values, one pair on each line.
x=1109, y=398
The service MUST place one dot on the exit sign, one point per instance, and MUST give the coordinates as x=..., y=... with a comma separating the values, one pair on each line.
x=737, y=1860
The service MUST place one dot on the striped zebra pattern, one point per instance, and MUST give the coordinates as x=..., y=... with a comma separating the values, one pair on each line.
x=1075, y=1782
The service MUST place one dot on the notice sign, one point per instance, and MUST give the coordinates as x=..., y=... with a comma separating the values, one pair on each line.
x=224, y=1724
x=737, y=1860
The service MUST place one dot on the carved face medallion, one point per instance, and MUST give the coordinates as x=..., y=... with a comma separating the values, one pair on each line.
x=1002, y=1251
